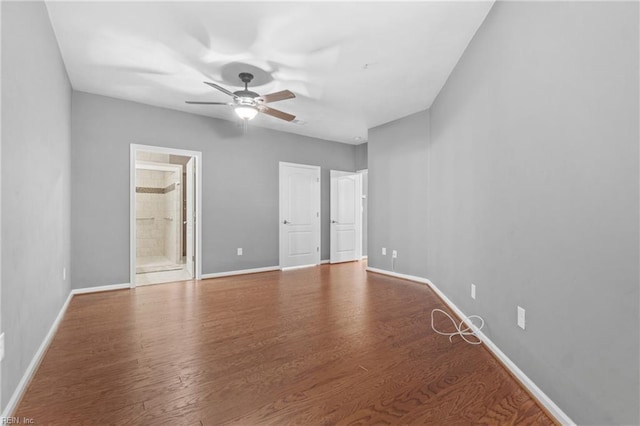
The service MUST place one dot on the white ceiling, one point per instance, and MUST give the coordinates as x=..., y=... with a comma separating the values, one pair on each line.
x=352, y=65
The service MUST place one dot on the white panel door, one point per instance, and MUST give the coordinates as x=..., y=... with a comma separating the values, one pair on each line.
x=346, y=216
x=299, y=215
x=190, y=215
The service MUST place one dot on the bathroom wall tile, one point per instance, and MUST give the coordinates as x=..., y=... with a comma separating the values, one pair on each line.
x=160, y=158
x=143, y=155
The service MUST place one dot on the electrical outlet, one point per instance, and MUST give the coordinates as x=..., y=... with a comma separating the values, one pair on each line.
x=239, y=251
x=521, y=320
x=473, y=291
x=64, y=274
x=1, y=346
x=384, y=251
x=394, y=254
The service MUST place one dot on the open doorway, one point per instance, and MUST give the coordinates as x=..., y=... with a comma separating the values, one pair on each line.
x=165, y=206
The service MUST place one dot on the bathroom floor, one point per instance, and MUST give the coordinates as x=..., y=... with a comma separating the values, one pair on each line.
x=159, y=269
x=156, y=264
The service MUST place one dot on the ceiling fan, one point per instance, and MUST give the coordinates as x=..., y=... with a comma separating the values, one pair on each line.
x=247, y=104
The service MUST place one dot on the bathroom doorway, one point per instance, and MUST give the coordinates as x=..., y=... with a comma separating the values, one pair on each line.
x=164, y=215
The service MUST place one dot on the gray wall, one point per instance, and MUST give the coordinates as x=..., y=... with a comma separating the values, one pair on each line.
x=397, y=194
x=532, y=193
x=240, y=184
x=361, y=156
x=36, y=105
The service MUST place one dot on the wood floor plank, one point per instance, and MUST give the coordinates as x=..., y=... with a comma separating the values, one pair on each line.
x=324, y=345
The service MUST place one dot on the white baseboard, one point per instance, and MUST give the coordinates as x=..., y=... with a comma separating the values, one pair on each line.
x=100, y=288
x=551, y=406
x=240, y=272
x=398, y=275
x=35, y=362
x=322, y=262
x=292, y=268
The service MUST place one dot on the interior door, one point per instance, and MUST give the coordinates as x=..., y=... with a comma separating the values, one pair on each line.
x=346, y=216
x=299, y=215
x=190, y=215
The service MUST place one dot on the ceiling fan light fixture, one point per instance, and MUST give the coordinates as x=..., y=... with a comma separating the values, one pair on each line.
x=246, y=112
x=248, y=104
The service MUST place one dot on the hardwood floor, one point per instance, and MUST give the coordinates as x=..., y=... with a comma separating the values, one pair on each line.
x=316, y=346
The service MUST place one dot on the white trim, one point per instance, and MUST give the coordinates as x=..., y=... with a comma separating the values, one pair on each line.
x=97, y=289
x=197, y=155
x=365, y=257
x=325, y=261
x=404, y=277
x=240, y=272
x=35, y=362
x=551, y=406
x=291, y=268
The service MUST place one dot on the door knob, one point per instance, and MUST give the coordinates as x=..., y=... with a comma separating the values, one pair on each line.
x=286, y=222
x=334, y=221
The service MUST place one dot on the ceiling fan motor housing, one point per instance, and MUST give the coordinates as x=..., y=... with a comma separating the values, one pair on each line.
x=246, y=94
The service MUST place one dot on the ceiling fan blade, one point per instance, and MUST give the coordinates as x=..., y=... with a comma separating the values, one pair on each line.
x=278, y=96
x=208, y=103
x=220, y=88
x=276, y=113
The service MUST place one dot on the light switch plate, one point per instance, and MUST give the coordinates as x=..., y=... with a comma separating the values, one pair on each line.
x=521, y=319
x=1, y=346
x=239, y=251
x=473, y=291
x=384, y=251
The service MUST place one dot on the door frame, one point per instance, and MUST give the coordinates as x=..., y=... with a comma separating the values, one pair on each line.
x=281, y=217
x=365, y=208
x=188, y=222
x=197, y=155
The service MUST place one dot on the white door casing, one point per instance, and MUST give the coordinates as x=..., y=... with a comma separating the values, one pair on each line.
x=299, y=218
x=346, y=216
x=190, y=219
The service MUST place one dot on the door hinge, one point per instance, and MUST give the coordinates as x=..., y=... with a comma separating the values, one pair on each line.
x=317, y=214
x=318, y=180
x=317, y=248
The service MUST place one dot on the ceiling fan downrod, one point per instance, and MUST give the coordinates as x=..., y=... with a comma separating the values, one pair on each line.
x=246, y=78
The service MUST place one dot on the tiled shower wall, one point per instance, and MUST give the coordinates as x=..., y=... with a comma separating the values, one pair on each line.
x=150, y=213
